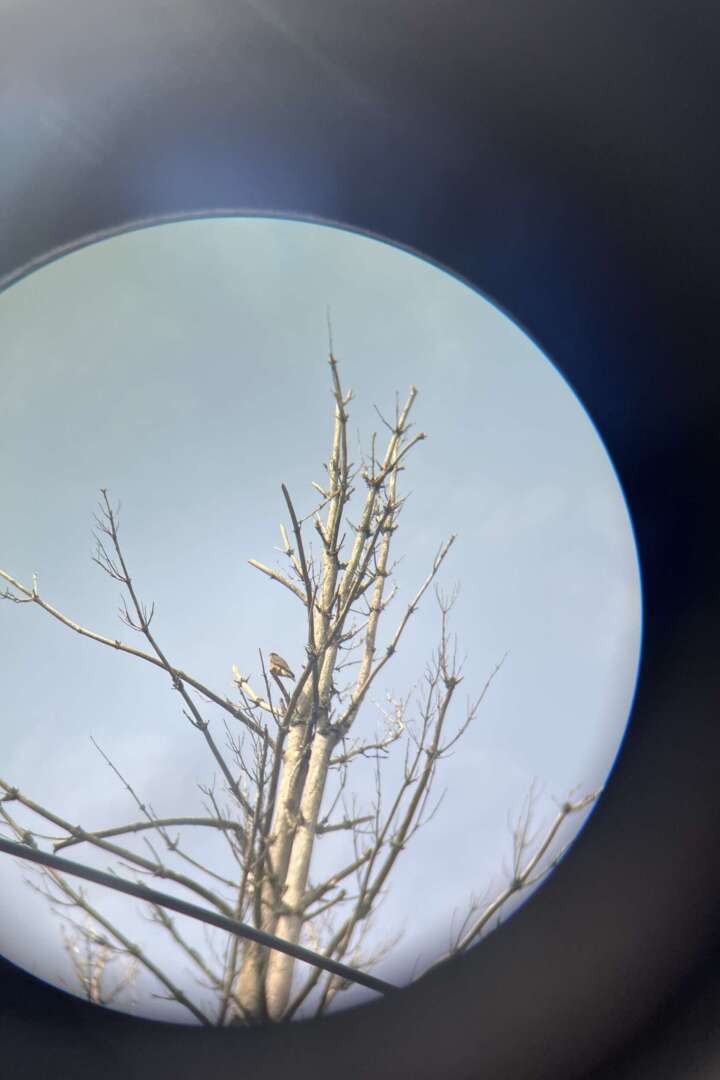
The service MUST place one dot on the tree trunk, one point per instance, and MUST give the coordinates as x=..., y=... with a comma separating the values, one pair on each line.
x=280, y=966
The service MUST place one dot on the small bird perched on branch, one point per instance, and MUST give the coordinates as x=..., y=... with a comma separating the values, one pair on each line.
x=280, y=667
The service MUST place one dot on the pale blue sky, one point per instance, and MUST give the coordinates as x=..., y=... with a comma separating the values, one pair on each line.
x=183, y=367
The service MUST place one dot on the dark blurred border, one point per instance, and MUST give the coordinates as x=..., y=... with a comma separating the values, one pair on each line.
x=563, y=157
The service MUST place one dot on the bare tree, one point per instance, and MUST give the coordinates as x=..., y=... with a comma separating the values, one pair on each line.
x=288, y=753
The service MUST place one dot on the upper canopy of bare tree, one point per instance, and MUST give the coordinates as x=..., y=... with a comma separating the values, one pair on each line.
x=285, y=791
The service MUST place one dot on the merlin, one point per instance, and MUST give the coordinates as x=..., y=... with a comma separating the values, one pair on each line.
x=280, y=667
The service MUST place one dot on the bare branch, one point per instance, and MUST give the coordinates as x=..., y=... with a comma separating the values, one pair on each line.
x=154, y=823
x=114, y=643
x=275, y=575
x=346, y=721
x=522, y=877
x=316, y=893
x=346, y=823
x=309, y=597
x=80, y=834
x=243, y=685
x=77, y=898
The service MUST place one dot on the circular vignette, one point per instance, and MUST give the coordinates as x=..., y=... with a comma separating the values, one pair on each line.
x=180, y=365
